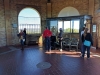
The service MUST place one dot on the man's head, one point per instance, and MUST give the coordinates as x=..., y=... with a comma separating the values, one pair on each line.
x=83, y=28
x=24, y=28
x=46, y=27
x=21, y=30
x=86, y=30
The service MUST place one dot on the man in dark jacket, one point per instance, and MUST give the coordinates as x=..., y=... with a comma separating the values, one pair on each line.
x=60, y=37
x=25, y=36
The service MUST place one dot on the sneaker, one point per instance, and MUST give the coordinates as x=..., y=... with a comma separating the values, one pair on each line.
x=50, y=50
x=82, y=56
x=88, y=57
x=46, y=51
x=61, y=50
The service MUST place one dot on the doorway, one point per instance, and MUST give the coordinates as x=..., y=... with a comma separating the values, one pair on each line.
x=29, y=18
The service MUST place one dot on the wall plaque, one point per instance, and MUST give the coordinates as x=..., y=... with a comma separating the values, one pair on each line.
x=94, y=28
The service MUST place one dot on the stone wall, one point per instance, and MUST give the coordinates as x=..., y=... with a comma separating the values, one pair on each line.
x=2, y=25
x=40, y=5
x=96, y=19
x=80, y=5
x=18, y=5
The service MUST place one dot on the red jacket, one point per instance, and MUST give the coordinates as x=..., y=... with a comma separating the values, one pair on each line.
x=47, y=33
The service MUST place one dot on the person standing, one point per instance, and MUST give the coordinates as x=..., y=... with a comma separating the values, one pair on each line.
x=60, y=37
x=21, y=36
x=87, y=42
x=53, y=29
x=25, y=36
x=47, y=34
x=82, y=32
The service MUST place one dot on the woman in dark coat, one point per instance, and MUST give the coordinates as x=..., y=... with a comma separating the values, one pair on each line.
x=87, y=42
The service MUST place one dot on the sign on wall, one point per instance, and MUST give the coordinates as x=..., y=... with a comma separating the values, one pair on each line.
x=94, y=28
x=14, y=25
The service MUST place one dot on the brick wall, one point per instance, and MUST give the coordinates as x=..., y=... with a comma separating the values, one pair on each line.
x=40, y=5
x=80, y=5
x=2, y=25
x=18, y=5
x=96, y=18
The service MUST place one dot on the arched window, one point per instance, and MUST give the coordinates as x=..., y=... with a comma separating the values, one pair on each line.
x=68, y=11
x=72, y=25
x=29, y=18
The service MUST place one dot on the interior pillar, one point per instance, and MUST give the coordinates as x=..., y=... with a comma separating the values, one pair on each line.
x=91, y=12
x=7, y=22
x=48, y=10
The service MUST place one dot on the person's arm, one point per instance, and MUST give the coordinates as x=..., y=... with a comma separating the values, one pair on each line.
x=82, y=38
x=91, y=39
x=82, y=32
x=18, y=35
x=44, y=34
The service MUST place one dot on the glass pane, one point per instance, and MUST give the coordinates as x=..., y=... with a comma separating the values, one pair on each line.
x=67, y=27
x=60, y=25
x=76, y=26
x=53, y=27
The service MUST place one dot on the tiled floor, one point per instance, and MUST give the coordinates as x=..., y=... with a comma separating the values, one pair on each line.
x=13, y=61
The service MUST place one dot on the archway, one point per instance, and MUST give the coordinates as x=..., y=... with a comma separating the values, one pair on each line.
x=68, y=11
x=29, y=18
x=69, y=26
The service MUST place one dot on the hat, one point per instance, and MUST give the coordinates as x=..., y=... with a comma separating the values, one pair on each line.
x=60, y=29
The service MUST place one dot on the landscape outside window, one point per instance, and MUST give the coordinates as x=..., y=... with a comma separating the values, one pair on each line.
x=29, y=18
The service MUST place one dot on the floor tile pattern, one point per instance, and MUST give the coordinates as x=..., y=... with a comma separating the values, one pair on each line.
x=17, y=62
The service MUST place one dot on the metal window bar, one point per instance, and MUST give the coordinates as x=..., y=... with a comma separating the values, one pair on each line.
x=31, y=28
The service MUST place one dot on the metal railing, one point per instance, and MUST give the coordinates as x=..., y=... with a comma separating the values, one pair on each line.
x=32, y=24
x=31, y=28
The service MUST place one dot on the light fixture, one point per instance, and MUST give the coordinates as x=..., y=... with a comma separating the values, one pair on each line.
x=98, y=10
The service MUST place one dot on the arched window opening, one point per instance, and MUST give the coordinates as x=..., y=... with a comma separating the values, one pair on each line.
x=68, y=11
x=30, y=19
x=72, y=25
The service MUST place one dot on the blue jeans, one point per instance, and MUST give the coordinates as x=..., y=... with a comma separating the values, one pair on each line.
x=88, y=51
x=22, y=42
x=60, y=43
x=47, y=43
